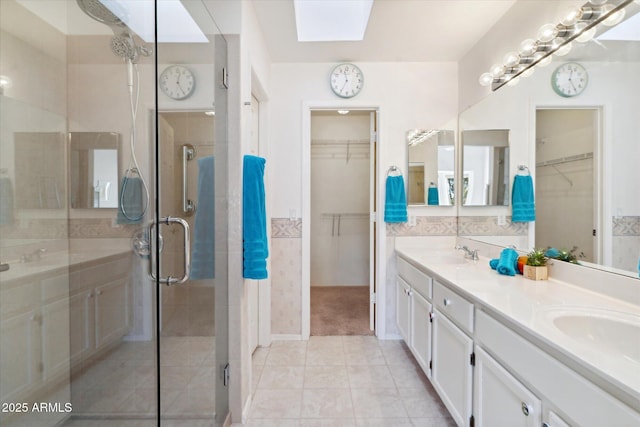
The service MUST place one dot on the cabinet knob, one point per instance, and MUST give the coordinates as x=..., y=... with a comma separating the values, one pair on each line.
x=446, y=302
x=98, y=292
x=525, y=409
x=89, y=295
x=410, y=293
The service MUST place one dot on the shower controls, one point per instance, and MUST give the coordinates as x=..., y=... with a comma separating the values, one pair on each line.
x=177, y=82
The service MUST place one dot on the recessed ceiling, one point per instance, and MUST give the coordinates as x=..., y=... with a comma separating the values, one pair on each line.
x=398, y=30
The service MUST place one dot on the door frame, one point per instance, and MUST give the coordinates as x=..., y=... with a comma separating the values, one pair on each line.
x=380, y=230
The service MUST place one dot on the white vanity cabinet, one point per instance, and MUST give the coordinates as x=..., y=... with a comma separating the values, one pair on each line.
x=452, y=368
x=499, y=399
x=403, y=308
x=100, y=306
x=414, y=312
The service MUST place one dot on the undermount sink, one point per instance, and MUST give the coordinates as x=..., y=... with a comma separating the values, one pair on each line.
x=611, y=331
x=447, y=259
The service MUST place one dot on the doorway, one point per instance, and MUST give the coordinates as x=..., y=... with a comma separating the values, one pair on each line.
x=566, y=181
x=342, y=159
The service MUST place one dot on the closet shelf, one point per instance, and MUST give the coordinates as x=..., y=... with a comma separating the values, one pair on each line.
x=568, y=159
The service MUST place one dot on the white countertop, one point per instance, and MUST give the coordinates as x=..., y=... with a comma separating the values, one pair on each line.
x=611, y=359
x=51, y=261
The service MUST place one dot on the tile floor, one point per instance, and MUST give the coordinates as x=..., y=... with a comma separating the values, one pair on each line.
x=122, y=384
x=341, y=381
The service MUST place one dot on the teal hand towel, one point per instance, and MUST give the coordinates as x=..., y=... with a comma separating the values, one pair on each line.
x=522, y=199
x=395, y=204
x=508, y=262
x=254, y=219
x=131, y=210
x=494, y=263
x=202, y=263
x=432, y=196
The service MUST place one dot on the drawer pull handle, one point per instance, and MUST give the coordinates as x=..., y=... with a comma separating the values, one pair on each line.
x=446, y=302
x=525, y=409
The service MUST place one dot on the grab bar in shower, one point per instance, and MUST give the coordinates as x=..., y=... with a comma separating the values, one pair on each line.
x=188, y=153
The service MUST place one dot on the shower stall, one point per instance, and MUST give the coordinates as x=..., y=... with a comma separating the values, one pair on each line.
x=111, y=311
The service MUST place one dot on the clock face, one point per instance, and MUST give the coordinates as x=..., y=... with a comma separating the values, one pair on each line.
x=569, y=79
x=346, y=80
x=177, y=82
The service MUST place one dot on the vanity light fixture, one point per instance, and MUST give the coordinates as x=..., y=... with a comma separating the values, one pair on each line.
x=210, y=113
x=5, y=82
x=417, y=136
x=343, y=112
x=578, y=24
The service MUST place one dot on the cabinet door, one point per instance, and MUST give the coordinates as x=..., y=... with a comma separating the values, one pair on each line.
x=420, y=342
x=112, y=316
x=403, y=291
x=81, y=327
x=555, y=421
x=55, y=340
x=451, y=371
x=20, y=355
x=499, y=398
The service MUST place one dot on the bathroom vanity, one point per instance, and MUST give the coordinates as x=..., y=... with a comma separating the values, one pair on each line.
x=57, y=312
x=507, y=351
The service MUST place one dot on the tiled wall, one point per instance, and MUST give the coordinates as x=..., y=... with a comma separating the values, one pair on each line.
x=286, y=274
x=625, y=242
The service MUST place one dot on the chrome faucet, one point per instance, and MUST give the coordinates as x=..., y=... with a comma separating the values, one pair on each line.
x=33, y=256
x=468, y=253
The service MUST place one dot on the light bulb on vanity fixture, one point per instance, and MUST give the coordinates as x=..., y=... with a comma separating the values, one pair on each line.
x=577, y=23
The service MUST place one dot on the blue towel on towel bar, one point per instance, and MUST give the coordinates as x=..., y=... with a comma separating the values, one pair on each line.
x=254, y=219
x=202, y=263
x=130, y=209
x=508, y=262
x=395, y=203
x=432, y=196
x=522, y=199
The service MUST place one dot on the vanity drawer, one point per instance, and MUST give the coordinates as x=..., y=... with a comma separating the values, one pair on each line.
x=415, y=278
x=454, y=306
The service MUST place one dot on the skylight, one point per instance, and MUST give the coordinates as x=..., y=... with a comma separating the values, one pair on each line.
x=331, y=20
x=175, y=24
x=628, y=30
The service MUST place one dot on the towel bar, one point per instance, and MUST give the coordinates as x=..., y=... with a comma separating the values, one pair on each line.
x=188, y=153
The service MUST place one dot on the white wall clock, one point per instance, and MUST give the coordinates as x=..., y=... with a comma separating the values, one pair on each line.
x=177, y=82
x=346, y=80
x=569, y=79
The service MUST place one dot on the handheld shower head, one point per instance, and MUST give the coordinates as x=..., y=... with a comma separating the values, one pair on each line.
x=124, y=46
x=100, y=13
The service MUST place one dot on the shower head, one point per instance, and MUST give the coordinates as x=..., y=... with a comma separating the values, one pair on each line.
x=124, y=46
x=96, y=10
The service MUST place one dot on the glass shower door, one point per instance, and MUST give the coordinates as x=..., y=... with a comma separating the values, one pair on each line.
x=87, y=335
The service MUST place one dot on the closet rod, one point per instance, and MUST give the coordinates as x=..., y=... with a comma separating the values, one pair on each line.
x=568, y=159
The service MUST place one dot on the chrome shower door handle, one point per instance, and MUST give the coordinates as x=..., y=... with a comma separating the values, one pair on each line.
x=188, y=153
x=170, y=280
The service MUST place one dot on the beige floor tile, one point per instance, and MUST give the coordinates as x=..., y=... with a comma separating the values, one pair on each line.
x=259, y=356
x=422, y=403
x=365, y=356
x=287, y=356
x=384, y=422
x=274, y=423
x=408, y=376
x=326, y=403
x=325, y=356
x=326, y=377
x=282, y=377
x=327, y=423
x=276, y=404
x=432, y=422
x=365, y=376
x=325, y=342
x=377, y=402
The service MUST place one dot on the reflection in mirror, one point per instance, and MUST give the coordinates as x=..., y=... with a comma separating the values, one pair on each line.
x=94, y=169
x=485, y=165
x=39, y=169
x=431, y=159
x=612, y=61
x=565, y=145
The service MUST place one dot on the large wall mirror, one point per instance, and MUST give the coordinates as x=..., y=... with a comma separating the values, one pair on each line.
x=93, y=159
x=582, y=150
x=431, y=160
x=485, y=167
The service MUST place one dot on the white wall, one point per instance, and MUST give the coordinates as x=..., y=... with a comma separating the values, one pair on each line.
x=410, y=95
